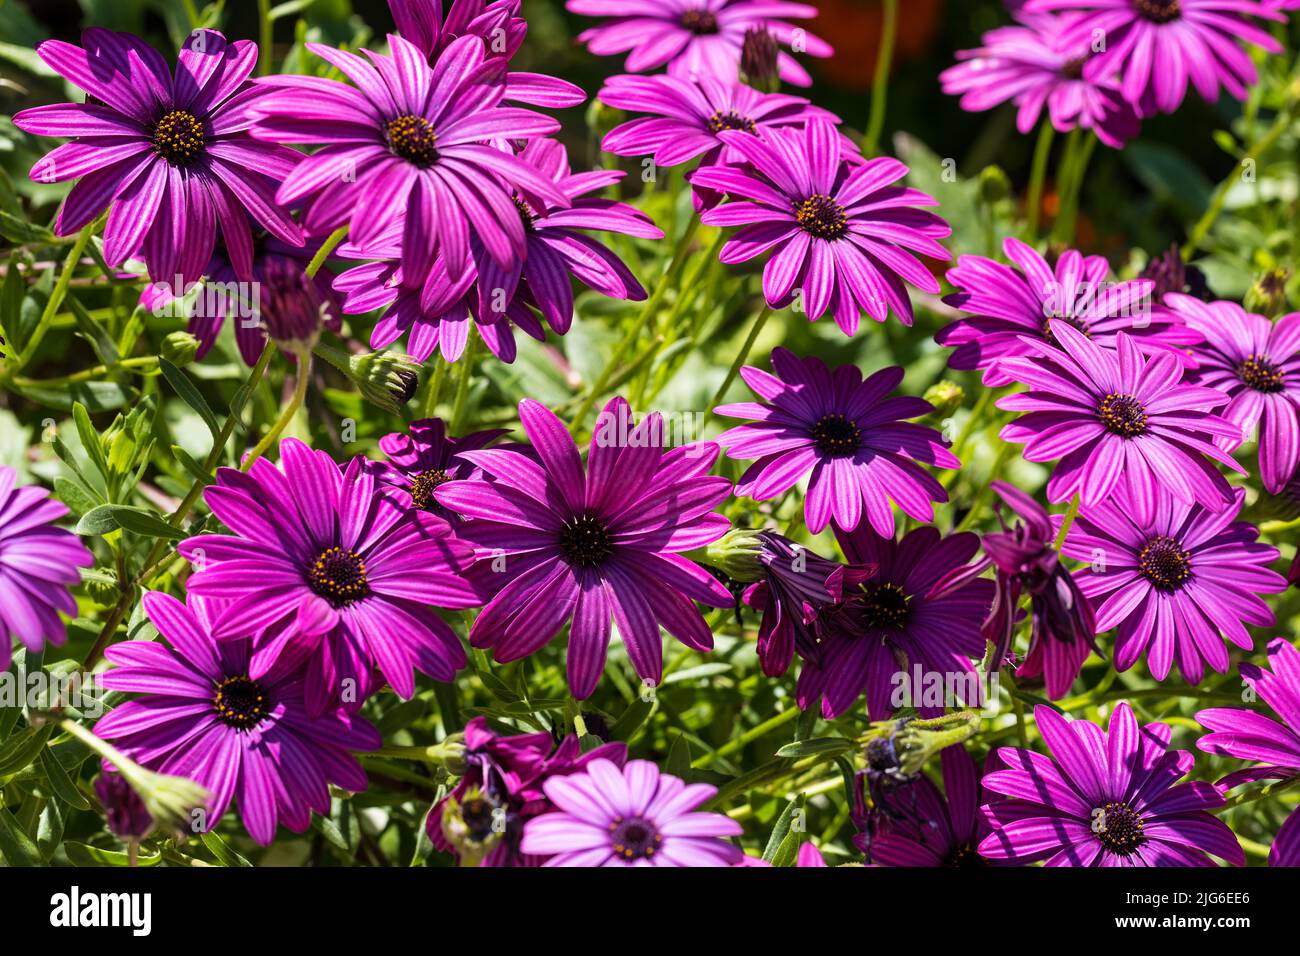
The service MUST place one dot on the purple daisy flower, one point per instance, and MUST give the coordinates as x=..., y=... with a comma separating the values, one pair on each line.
x=1029, y=65
x=1176, y=586
x=1256, y=362
x=848, y=434
x=1158, y=47
x=846, y=236
x=588, y=544
x=687, y=116
x=914, y=824
x=170, y=156
x=509, y=773
x=1110, y=798
x=903, y=619
x=280, y=271
x=326, y=557
x=407, y=141
x=630, y=816
x=1116, y=418
x=38, y=563
x=1027, y=563
x=1248, y=735
x=1009, y=305
x=244, y=737
x=424, y=457
x=502, y=30
x=698, y=37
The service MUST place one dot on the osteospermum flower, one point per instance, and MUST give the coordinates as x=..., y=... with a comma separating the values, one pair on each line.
x=502, y=785
x=1256, y=362
x=282, y=290
x=1030, y=66
x=899, y=622
x=1116, y=418
x=593, y=544
x=1009, y=305
x=848, y=435
x=1110, y=798
x=844, y=236
x=327, y=557
x=407, y=141
x=698, y=37
x=425, y=456
x=633, y=816
x=913, y=824
x=38, y=563
x=169, y=155
x=244, y=736
x=1158, y=47
x=1177, y=586
x=1275, y=745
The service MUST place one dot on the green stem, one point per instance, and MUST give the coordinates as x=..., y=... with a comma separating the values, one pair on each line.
x=1070, y=514
x=1038, y=174
x=434, y=390
x=57, y=295
x=126, y=365
x=880, y=84
x=749, y=736
x=1263, y=793
x=462, y=384
x=264, y=40
x=648, y=313
x=742, y=355
x=304, y=356
x=328, y=246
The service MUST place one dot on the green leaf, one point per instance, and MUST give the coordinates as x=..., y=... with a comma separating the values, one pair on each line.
x=782, y=829
x=818, y=745
x=15, y=845
x=72, y=494
x=93, y=332
x=190, y=395
x=194, y=469
x=50, y=827
x=11, y=303
x=80, y=854
x=222, y=850
x=679, y=757
x=90, y=439
x=106, y=518
x=61, y=783
x=632, y=719
x=22, y=748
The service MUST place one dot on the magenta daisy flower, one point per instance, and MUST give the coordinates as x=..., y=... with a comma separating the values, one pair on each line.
x=38, y=563
x=1158, y=47
x=169, y=155
x=1110, y=798
x=589, y=544
x=502, y=30
x=915, y=824
x=846, y=434
x=1177, y=586
x=243, y=736
x=698, y=37
x=424, y=457
x=283, y=290
x=1256, y=362
x=630, y=816
x=503, y=782
x=326, y=557
x=1275, y=745
x=1008, y=305
x=1116, y=418
x=903, y=620
x=1030, y=66
x=407, y=141
x=844, y=235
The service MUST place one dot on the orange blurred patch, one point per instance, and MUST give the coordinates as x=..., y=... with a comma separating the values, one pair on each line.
x=853, y=27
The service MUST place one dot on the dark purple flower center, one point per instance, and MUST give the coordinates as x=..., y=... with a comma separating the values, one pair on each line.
x=479, y=813
x=837, y=436
x=964, y=855
x=241, y=702
x=822, y=217
x=885, y=607
x=731, y=120
x=1159, y=11
x=1261, y=374
x=700, y=22
x=526, y=214
x=424, y=485
x=585, y=542
x=1073, y=69
x=179, y=138
x=635, y=838
x=1075, y=323
x=1123, y=415
x=339, y=577
x=413, y=139
x=1165, y=563
x=1119, y=828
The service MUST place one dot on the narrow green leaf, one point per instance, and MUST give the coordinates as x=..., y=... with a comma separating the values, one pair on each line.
x=190, y=395
x=61, y=783
x=22, y=748
x=222, y=850
x=72, y=494
x=782, y=828
x=818, y=745
x=632, y=719
x=679, y=757
x=93, y=332
x=106, y=518
x=81, y=854
x=15, y=845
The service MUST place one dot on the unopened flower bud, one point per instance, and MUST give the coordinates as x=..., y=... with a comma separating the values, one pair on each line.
x=906, y=745
x=995, y=185
x=759, y=60
x=127, y=817
x=289, y=306
x=472, y=825
x=737, y=555
x=1268, y=296
x=946, y=397
x=180, y=348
